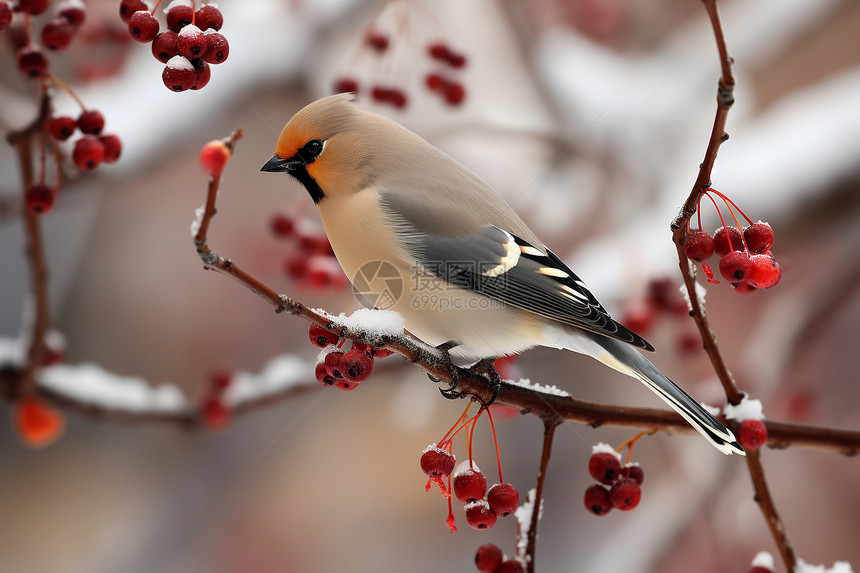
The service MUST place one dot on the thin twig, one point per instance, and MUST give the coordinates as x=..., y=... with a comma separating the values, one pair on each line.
x=549, y=426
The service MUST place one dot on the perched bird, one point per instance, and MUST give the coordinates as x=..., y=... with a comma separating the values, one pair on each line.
x=409, y=223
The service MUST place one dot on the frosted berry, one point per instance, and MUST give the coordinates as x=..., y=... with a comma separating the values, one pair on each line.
x=488, y=557
x=5, y=15
x=191, y=42
x=61, y=128
x=209, y=17
x=345, y=85
x=735, y=266
x=88, y=153
x=604, y=467
x=479, y=515
x=37, y=423
x=377, y=40
x=436, y=462
x=202, y=73
x=73, y=11
x=454, y=94
x=164, y=46
x=469, y=483
x=322, y=375
x=332, y=363
x=214, y=156
x=91, y=121
x=698, y=246
x=723, y=236
x=503, y=499
x=217, y=48
x=32, y=7
x=752, y=434
x=764, y=271
x=215, y=414
x=57, y=34
x=634, y=472
x=759, y=237
x=32, y=62
x=39, y=198
x=179, y=74
x=113, y=147
x=143, y=26
x=282, y=225
x=128, y=7
x=510, y=566
x=356, y=366
x=321, y=337
x=597, y=499
x=179, y=15
x=625, y=494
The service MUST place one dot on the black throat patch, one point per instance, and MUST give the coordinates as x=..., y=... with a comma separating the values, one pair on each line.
x=314, y=190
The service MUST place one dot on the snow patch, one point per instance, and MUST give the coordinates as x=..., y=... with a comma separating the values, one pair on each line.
x=838, y=567
x=176, y=3
x=524, y=519
x=374, y=324
x=763, y=559
x=278, y=375
x=464, y=466
x=198, y=220
x=712, y=410
x=748, y=409
x=546, y=389
x=601, y=448
x=180, y=63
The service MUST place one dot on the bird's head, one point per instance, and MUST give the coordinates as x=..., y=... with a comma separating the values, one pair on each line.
x=326, y=147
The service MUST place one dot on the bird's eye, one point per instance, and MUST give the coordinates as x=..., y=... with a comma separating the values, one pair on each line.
x=314, y=147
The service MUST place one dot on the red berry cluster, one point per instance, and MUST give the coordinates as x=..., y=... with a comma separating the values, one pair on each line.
x=468, y=484
x=623, y=481
x=190, y=43
x=56, y=34
x=214, y=413
x=662, y=300
x=313, y=263
x=344, y=370
x=746, y=260
x=490, y=559
x=451, y=91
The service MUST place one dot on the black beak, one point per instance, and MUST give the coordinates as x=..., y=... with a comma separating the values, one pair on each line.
x=279, y=165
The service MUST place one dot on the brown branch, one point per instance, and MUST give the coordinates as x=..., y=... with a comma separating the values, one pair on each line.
x=549, y=426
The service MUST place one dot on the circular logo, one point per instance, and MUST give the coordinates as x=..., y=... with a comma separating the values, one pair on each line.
x=378, y=284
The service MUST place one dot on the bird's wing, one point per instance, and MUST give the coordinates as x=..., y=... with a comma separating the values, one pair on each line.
x=498, y=264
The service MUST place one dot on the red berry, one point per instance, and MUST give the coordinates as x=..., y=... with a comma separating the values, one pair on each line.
x=72, y=10
x=357, y=366
x=33, y=7
x=332, y=363
x=143, y=26
x=503, y=499
x=61, y=128
x=380, y=94
x=479, y=515
x=321, y=337
x=456, y=60
x=438, y=51
x=760, y=569
x=435, y=82
x=344, y=85
x=735, y=266
x=469, y=483
x=191, y=42
x=37, y=423
x=698, y=246
x=215, y=414
x=214, y=156
x=488, y=557
x=113, y=147
x=752, y=434
x=437, y=462
x=282, y=225
x=723, y=236
x=510, y=566
x=321, y=271
x=381, y=352
x=57, y=34
x=179, y=14
x=764, y=271
x=128, y=7
x=604, y=466
x=639, y=317
x=202, y=73
x=455, y=94
x=88, y=153
x=664, y=294
x=164, y=46
x=398, y=98
x=5, y=15
x=744, y=287
x=345, y=385
x=39, y=198
x=634, y=472
x=322, y=375
x=625, y=494
x=217, y=48
x=377, y=41
x=220, y=379
x=759, y=237
x=91, y=122
x=179, y=74
x=209, y=17
x=32, y=62
x=296, y=266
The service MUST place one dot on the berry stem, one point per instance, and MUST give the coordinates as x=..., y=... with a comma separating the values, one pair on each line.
x=154, y=8
x=193, y=12
x=65, y=87
x=632, y=442
x=43, y=157
x=472, y=434
x=729, y=204
x=496, y=442
x=442, y=443
x=735, y=205
x=450, y=520
x=720, y=215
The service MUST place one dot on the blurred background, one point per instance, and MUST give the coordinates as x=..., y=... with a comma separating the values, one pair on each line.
x=590, y=117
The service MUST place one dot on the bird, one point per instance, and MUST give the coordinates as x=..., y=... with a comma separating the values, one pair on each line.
x=473, y=278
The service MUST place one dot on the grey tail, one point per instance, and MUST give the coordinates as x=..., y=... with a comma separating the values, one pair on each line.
x=632, y=363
